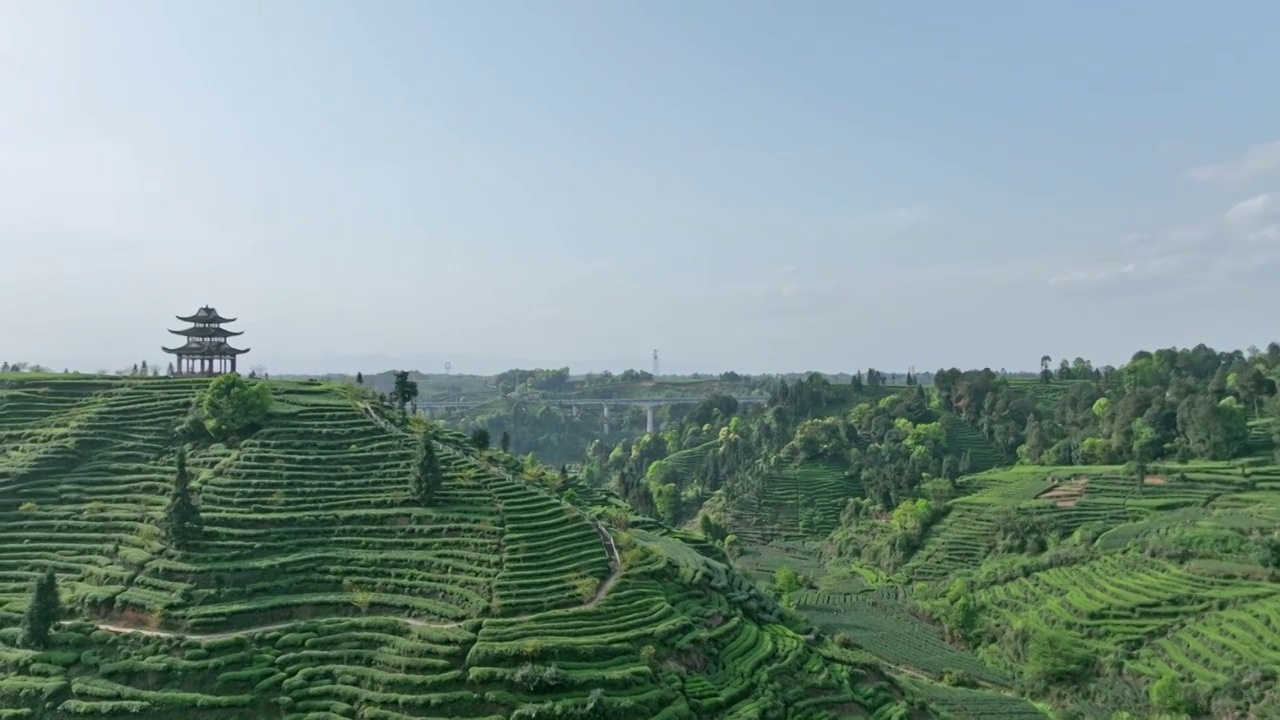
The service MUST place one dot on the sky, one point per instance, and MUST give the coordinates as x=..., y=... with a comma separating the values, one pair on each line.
x=757, y=186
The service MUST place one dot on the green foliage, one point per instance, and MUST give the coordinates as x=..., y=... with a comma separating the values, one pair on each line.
x=480, y=439
x=43, y=610
x=403, y=390
x=182, y=523
x=426, y=476
x=786, y=581
x=232, y=407
x=1167, y=696
x=1057, y=655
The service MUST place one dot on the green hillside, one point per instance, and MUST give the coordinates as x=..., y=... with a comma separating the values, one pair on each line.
x=1119, y=559
x=320, y=589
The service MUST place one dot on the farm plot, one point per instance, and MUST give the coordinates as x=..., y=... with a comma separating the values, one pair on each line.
x=79, y=501
x=1213, y=647
x=964, y=438
x=966, y=704
x=803, y=502
x=1117, y=598
x=877, y=622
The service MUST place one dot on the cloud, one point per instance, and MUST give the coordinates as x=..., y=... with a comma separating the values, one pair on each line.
x=1256, y=162
x=1247, y=213
x=1240, y=242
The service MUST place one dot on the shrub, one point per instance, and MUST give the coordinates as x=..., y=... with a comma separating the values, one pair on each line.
x=535, y=678
x=231, y=407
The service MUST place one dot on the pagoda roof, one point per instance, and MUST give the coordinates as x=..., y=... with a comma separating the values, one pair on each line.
x=206, y=315
x=213, y=349
x=204, y=331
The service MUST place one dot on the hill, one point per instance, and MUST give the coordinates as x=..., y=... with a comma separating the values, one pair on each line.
x=1105, y=547
x=319, y=589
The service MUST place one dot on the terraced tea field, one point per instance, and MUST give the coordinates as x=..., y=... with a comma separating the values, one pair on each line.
x=877, y=622
x=1117, y=598
x=1072, y=497
x=963, y=437
x=320, y=590
x=800, y=502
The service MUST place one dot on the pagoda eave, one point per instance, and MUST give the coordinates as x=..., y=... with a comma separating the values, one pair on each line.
x=220, y=350
x=205, y=319
x=206, y=332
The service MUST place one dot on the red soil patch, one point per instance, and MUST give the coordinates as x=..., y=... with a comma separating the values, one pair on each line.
x=1065, y=495
x=1154, y=480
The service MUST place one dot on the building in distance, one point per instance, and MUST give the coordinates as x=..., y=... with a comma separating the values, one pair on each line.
x=206, y=351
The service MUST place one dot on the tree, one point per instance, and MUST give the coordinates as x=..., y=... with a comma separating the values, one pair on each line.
x=785, y=580
x=142, y=368
x=1252, y=386
x=480, y=438
x=1166, y=695
x=232, y=407
x=426, y=478
x=169, y=371
x=1046, y=375
x=404, y=390
x=182, y=523
x=359, y=378
x=505, y=443
x=43, y=611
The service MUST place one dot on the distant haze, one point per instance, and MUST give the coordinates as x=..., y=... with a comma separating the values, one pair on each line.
x=743, y=185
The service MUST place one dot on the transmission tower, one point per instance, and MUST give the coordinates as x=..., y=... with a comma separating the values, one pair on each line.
x=655, y=362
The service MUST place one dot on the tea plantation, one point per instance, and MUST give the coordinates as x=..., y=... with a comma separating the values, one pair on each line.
x=320, y=589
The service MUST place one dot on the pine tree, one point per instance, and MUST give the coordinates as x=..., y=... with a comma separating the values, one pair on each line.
x=426, y=477
x=359, y=378
x=43, y=611
x=181, y=522
x=170, y=371
x=142, y=368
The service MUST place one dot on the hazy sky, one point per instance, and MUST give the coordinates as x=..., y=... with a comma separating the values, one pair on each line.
x=748, y=185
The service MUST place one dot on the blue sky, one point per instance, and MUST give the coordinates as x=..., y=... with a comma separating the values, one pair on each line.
x=760, y=186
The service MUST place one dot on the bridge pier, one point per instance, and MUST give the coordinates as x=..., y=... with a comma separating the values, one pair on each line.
x=606, y=417
x=648, y=418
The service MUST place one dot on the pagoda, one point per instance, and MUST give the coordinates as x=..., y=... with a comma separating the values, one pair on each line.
x=206, y=351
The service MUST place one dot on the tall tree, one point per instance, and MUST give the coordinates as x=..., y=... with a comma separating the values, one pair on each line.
x=182, y=523
x=426, y=477
x=505, y=443
x=359, y=378
x=480, y=438
x=404, y=390
x=43, y=611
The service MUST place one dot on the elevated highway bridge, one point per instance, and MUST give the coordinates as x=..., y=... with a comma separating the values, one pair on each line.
x=648, y=403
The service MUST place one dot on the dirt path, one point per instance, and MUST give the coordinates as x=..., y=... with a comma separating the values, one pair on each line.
x=606, y=540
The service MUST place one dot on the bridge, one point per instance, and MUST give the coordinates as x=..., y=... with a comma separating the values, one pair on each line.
x=648, y=403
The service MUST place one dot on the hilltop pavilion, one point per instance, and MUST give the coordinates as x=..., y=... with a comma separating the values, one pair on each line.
x=206, y=351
